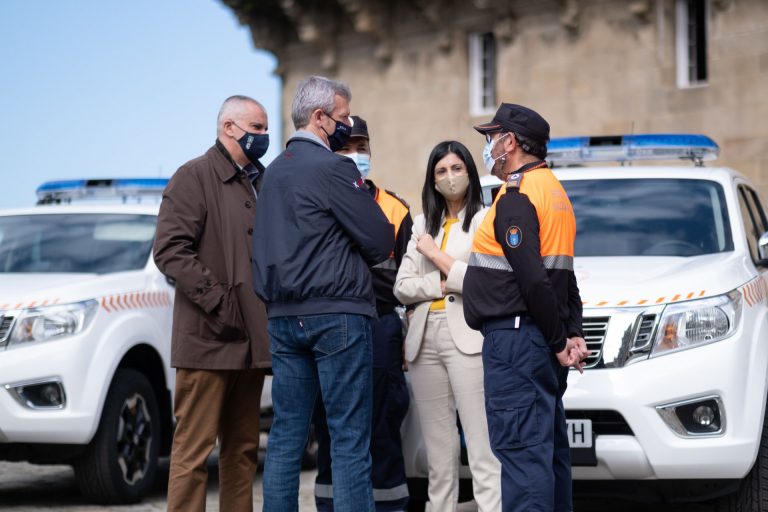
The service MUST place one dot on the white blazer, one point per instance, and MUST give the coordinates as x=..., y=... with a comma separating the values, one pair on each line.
x=418, y=282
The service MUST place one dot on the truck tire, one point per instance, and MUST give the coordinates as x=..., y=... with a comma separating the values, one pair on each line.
x=752, y=495
x=120, y=463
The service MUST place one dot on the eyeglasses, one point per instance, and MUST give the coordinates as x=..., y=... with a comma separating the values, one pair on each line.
x=489, y=136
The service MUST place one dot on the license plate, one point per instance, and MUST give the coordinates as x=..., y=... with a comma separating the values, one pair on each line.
x=579, y=433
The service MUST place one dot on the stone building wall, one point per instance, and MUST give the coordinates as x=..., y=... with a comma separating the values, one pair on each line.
x=590, y=67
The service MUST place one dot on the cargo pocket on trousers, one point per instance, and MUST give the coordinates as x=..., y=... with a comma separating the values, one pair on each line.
x=512, y=420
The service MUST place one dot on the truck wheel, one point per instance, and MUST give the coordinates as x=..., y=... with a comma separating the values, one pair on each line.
x=120, y=463
x=752, y=495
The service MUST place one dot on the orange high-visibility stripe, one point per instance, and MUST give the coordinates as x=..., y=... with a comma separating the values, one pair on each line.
x=557, y=224
x=394, y=210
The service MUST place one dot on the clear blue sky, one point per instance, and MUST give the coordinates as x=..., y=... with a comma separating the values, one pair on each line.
x=98, y=88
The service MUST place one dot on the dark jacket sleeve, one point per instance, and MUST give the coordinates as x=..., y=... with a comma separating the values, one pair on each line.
x=516, y=210
x=403, y=237
x=180, y=225
x=575, y=308
x=358, y=214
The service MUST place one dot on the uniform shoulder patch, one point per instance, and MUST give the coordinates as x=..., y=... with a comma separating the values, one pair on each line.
x=405, y=203
x=514, y=237
x=513, y=181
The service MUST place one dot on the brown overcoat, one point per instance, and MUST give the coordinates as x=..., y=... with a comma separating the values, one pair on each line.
x=203, y=242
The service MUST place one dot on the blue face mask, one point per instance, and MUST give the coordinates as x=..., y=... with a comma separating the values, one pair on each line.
x=254, y=145
x=362, y=161
x=488, y=160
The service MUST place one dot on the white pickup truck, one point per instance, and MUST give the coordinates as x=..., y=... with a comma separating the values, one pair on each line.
x=671, y=262
x=85, y=320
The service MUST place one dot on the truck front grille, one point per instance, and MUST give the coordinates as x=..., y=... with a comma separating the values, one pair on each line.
x=594, y=334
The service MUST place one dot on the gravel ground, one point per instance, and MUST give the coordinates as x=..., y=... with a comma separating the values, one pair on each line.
x=30, y=488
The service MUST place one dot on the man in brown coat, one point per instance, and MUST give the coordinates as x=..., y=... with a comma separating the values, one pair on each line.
x=220, y=345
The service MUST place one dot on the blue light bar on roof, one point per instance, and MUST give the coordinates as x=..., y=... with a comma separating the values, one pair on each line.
x=52, y=191
x=631, y=148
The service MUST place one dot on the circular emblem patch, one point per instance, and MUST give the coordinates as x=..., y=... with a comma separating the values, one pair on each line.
x=514, y=236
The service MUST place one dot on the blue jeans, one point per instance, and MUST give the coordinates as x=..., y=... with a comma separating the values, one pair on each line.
x=331, y=354
x=390, y=405
x=524, y=386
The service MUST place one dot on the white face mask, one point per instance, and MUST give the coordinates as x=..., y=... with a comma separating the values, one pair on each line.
x=488, y=160
x=453, y=187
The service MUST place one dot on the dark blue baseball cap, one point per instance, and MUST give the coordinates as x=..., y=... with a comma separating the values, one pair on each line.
x=519, y=119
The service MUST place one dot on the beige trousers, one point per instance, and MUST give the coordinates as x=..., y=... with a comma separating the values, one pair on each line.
x=443, y=379
x=211, y=404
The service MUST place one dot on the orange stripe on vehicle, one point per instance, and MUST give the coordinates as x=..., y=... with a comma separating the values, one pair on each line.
x=643, y=301
x=751, y=294
x=104, y=304
x=623, y=302
x=602, y=303
x=689, y=295
x=660, y=299
x=675, y=297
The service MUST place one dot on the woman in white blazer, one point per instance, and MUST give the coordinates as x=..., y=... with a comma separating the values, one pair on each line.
x=443, y=353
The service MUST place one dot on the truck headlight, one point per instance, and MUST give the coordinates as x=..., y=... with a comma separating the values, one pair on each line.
x=53, y=322
x=697, y=322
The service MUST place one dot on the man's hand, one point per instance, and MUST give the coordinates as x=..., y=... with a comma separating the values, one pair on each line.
x=574, y=353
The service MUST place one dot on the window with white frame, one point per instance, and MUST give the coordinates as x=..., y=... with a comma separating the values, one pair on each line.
x=692, y=20
x=482, y=73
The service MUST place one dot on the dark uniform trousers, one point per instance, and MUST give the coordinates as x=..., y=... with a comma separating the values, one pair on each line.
x=524, y=386
x=390, y=405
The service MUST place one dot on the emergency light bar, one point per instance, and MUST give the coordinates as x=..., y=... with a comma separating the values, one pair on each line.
x=67, y=190
x=631, y=148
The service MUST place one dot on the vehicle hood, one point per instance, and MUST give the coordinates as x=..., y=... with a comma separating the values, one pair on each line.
x=646, y=280
x=31, y=290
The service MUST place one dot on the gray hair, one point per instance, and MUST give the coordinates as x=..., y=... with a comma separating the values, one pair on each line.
x=233, y=107
x=313, y=93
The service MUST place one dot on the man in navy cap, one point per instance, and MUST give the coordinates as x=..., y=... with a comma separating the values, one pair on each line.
x=390, y=392
x=521, y=293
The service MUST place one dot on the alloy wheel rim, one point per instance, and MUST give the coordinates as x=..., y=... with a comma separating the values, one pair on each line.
x=134, y=438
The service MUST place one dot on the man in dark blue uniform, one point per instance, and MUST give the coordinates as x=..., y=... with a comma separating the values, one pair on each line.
x=390, y=393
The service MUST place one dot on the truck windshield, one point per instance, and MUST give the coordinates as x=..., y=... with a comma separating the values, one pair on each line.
x=75, y=243
x=649, y=217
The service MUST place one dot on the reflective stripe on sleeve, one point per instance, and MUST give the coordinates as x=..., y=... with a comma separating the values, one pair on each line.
x=558, y=261
x=388, y=264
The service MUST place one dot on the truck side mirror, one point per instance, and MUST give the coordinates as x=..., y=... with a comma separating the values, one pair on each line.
x=762, y=248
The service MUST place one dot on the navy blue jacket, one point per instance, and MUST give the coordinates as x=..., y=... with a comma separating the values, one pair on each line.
x=317, y=231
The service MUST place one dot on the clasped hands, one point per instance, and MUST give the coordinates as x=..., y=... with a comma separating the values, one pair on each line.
x=574, y=353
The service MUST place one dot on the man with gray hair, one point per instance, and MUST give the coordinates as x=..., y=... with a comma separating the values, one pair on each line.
x=219, y=343
x=317, y=232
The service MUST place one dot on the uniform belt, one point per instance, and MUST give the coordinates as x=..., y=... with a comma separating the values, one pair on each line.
x=507, y=322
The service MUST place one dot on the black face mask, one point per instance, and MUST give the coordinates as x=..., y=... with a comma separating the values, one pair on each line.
x=340, y=136
x=254, y=145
